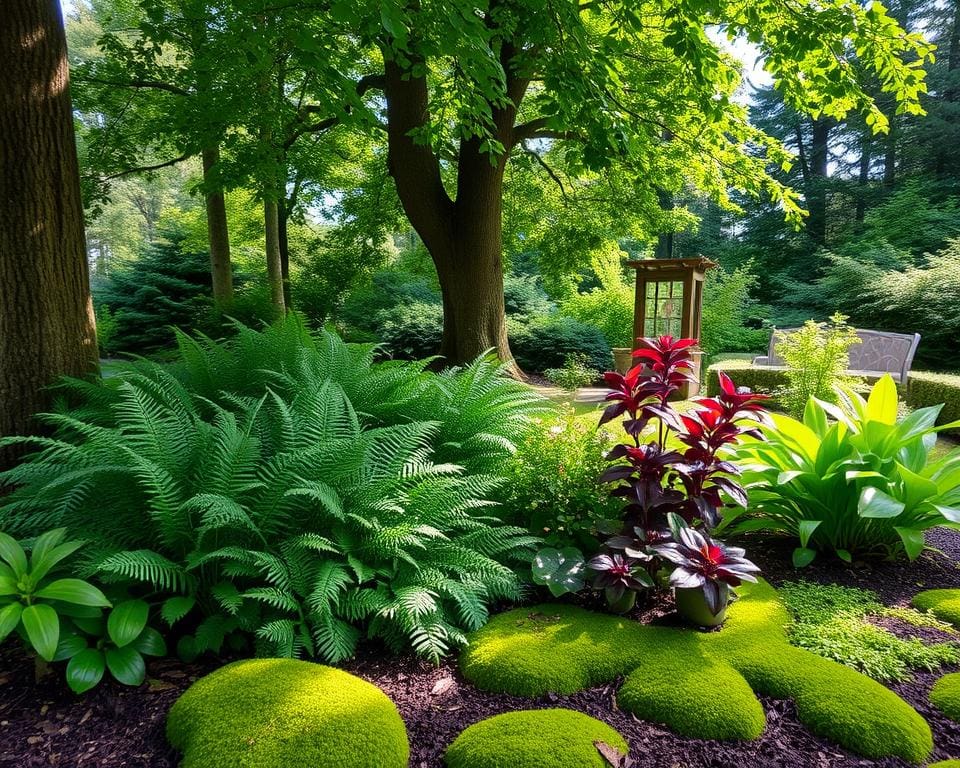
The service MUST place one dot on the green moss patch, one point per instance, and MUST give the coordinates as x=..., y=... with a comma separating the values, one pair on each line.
x=543, y=738
x=945, y=695
x=945, y=764
x=942, y=603
x=284, y=713
x=673, y=674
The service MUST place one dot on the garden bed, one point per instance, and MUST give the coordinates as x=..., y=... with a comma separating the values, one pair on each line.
x=42, y=724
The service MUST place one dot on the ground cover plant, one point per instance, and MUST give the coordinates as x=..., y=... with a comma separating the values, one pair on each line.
x=945, y=695
x=283, y=521
x=273, y=713
x=561, y=649
x=942, y=603
x=834, y=622
x=864, y=484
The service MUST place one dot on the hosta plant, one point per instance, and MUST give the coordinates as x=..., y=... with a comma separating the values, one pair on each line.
x=35, y=599
x=850, y=479
x=116, y=642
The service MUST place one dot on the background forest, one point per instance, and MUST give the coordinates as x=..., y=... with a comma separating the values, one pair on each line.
x=305, y=184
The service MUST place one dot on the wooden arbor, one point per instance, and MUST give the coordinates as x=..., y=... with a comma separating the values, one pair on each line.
x=668, y=301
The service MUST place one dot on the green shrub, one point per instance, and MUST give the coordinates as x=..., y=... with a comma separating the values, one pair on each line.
x=574, y=374
x=387, y=289
x=281, y=713
x=289, y=516
x=816, y=357
x=925, y=389
x=412, y=331
x=107, y=324
x=545, y=342
x=563, y=649
x=832, y=622
x=726, y=308
x=543, y=738
x=864, y=485
x=524, y=297
x=942, y=603
x=609, y=309
x=551, y=483
x=745, y=374
x=945, y=695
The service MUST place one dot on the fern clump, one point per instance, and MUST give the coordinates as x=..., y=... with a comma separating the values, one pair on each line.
x=269, y=508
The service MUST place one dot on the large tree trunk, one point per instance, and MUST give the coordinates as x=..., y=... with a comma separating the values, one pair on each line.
x=462, y=236
x=221, y=270
x=283, y=218
x=271, y=228
x=46, y=315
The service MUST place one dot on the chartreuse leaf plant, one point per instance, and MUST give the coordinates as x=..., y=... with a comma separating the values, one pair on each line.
x=852, y=479
x=34, y=599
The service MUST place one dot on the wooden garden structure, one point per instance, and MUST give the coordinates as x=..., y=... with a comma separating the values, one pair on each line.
x=669, y=300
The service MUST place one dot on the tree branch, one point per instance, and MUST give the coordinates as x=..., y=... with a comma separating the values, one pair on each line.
x=154, y=84
x=147, y=168
x=550, y=172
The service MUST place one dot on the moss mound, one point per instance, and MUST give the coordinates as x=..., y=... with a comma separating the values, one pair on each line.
x=945, y=695
x=283, y=713
x=562, y=649
x=542, y=738
x=945, y=764
x=942, y=603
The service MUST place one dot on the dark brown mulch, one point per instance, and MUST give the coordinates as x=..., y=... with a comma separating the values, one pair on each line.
x=43, y=724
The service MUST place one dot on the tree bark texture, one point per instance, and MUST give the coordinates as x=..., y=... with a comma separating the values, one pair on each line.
x=463, y=236
x=817, y=182
x=271, y=228
x=283, y=218
x=46, y=315
x=221, y=269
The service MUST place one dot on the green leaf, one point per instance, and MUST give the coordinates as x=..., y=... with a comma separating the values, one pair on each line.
x=69, y=646
x=874, y=503
x=85, y=670
x=41, y=566
x=44, y=543
x=43, y=629
x=560, y=570
x=950, y=513
x=8, y=586
x=12, y=553
x=150, y=643
x=126, y=665
x=9, y=619
x=126, y=621
x=175, y=608
x=845, y=555
x=802, y=557
x=882, y=403
x=806, y=529
x=913, y=541
x=74, y=591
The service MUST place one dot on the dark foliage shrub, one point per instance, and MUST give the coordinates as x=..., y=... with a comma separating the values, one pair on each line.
x=523, y=296
x=546, y=342
x=411, y=331
x=387, y=289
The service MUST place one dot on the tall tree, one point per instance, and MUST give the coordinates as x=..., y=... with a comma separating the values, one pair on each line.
x=46, y=315
x=470, y=85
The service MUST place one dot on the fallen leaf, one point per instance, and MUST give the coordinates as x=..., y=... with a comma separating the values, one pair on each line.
x=442, y=685
x=612, y=755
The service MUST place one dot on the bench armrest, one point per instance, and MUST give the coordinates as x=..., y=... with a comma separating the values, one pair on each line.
x=761, y=360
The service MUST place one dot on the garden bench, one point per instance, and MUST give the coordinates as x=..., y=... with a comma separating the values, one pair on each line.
x=877, y=353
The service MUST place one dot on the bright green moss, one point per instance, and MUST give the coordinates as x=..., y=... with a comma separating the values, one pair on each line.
x=945, y=695
x=945, y=764
x=942, y=603
x=284, y=713
x=542, y=738
x=529, y=652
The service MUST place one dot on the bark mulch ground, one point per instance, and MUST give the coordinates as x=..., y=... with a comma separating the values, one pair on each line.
x=43, y=724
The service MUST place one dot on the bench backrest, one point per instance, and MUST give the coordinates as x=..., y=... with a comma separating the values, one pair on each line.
x=877, y=351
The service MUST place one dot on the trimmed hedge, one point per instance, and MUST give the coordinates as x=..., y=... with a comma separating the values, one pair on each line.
x=925, y=388
x=945, y=695
x=942, y=603
x=563, y=649
x=544, y=738
x=745, y=374
x=284, y=713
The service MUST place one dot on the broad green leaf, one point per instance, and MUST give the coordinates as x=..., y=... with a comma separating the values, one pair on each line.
x=560, y=570
x=799, y=434
x=785, y=477
x=917, y=489
x=92, y=626
x=126, y=665
x=126, y=621
x=882, y=403
x=74, y=591
x=9, y=619
x=69, y=646
x=43, y=565
x=845, y=555
x=150, y=643
x=918, y=422
x=806, y=529
x=913, y=541
x=12, y=554
x=43, y=629
x=874, y=503
x=44, y=543
x=815, y=417
x=950, y=513
x=85, y=670
x=802, y=557
x=8, y=585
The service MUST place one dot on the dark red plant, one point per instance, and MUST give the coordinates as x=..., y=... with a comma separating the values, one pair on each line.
x=672, y=462
x=615, y=574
